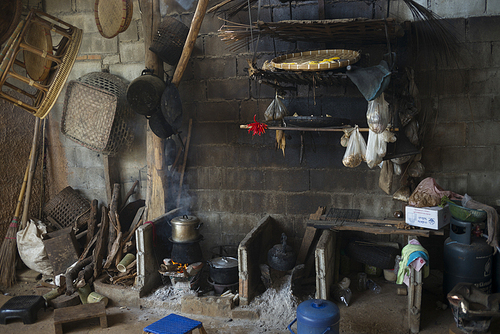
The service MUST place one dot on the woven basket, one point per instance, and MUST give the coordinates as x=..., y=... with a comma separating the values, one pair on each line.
x=319, y=60
x=112, y=16
x=169, y=40
x=68, y=208
x=95, y=112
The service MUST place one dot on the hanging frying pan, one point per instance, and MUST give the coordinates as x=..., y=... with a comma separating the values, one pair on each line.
x=171, y=106
x=159, y=125
x=144, y=93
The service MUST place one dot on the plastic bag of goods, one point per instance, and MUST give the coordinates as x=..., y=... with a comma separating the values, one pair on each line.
x=378, y=115
x=31, y=248
x=356, y=150
x=276, y=110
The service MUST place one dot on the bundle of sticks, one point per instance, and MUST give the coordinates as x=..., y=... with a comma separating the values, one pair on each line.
x=106, y=246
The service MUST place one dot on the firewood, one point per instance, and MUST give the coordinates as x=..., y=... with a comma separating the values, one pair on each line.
x=92, y=221
x=73, y=272
x=124, y=278
x=101, y=246
x=130, y=193
x=113, y=231
x=85, y=276
x=114, y=251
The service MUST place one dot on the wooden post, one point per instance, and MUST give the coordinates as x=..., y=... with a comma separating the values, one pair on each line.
x=157, y=179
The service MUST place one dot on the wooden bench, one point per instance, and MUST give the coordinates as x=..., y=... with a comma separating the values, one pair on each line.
x=79, y=312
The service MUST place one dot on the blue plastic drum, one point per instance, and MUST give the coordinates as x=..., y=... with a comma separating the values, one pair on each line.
x=317, y=316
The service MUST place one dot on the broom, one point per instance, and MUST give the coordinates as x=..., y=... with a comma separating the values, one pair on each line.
x=8, y=251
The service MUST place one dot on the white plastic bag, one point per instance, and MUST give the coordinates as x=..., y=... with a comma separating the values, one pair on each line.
x=378, y=115
x=375, y=149
x=31, y=248
x=356, y=149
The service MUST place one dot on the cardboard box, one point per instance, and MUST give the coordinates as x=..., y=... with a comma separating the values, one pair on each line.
x=432, y=218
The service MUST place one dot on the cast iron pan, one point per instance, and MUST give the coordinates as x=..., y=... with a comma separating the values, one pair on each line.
x=159, y=125
x=315, y=121
x=171, y=106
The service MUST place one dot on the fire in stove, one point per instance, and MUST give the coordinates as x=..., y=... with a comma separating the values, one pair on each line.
x=182, y=276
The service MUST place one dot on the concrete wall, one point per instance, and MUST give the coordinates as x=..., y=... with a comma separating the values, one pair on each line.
x=235, y=179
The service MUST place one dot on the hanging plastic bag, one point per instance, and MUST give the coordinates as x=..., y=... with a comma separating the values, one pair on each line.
x=31, y=248
x=386, y=175
x=378, y=115
x=344, y=141
x=375, y=149
x=356, y=150
x=276, y=110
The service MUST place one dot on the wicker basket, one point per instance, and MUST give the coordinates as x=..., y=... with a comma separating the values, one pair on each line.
x=169, y=40
x=95, y=113
x=68, y=208
x=319, y=60
x=112, y=16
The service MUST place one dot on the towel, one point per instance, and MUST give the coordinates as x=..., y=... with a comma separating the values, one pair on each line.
x=410, y=253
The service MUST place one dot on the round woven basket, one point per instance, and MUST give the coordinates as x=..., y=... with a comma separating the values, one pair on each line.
x=169, y=40
x=112, y=16
x=319, y=60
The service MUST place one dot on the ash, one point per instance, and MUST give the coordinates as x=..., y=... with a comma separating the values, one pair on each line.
x=277, y=305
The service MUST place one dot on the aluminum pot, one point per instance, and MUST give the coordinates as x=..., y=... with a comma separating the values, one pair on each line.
x=223, y=270
x=144, y=93
x=185, y=228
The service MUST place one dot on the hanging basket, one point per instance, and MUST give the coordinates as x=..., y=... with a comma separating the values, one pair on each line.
x=319, y=60
x=169, y=40
x=112, y=16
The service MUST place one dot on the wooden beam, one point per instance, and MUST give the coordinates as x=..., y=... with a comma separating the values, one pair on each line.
x=157, y=180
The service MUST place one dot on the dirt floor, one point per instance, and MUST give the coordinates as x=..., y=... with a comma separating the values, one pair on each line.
x=368, y=312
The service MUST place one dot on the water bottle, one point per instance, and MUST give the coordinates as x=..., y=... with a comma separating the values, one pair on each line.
x=361, y=281
x=371, y=285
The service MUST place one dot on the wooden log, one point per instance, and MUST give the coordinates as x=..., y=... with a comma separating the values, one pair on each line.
x=92, y=222
x=111, y=175
x=114, y=251
x=101, y=246
x=113, y=231
x=157, y=184
x=129, y=194
x=72, y=274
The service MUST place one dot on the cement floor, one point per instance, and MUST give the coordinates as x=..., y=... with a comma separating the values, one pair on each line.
x=368, y=313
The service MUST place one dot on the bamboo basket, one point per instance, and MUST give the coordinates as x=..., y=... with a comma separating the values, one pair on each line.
x=319, y=60
x=68, y=208
x=169, y=40
x=112, y=16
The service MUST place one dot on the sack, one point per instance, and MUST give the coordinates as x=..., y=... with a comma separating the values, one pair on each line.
x=31, y=248
x=356, y=150
x=377, y=115
x=429, y=193
x=276, y=110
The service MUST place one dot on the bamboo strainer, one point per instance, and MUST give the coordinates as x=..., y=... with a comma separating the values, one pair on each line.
x=112, y=16
x=319, y=60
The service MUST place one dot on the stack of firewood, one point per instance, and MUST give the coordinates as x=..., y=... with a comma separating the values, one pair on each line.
x=106, y=245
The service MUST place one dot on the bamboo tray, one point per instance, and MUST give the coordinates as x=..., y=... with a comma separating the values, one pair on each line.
x=319, y=60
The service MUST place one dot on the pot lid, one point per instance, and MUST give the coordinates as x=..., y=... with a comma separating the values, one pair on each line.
x=185, y=220
x=318, y=313
x=224, y=262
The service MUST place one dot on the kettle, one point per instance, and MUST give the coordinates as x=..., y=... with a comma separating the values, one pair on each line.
x=281, y=256
x=316, y=316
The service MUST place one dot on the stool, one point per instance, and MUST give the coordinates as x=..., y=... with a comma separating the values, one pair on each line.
x=23, y=307
x=14, y=76
x=175, y=324
x=79, y=312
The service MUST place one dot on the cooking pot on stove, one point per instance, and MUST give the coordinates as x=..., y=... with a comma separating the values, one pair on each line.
x=224, y=270
x=185, y=228
x=317, y=316
x=281, y=256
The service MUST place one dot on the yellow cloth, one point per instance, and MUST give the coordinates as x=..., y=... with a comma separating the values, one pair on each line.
x=405, y=256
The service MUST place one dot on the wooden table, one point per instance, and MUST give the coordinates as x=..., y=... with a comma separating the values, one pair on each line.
x=385, y=226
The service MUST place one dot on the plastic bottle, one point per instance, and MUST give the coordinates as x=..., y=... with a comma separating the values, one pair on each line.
x=371, y=285
x=361, y=281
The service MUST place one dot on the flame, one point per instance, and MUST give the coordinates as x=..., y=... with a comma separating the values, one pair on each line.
x=181, y=267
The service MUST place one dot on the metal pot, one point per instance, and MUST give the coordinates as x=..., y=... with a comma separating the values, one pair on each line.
x=144, y=93
x=224, y=270
x=185, y=228
x=281, y=256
